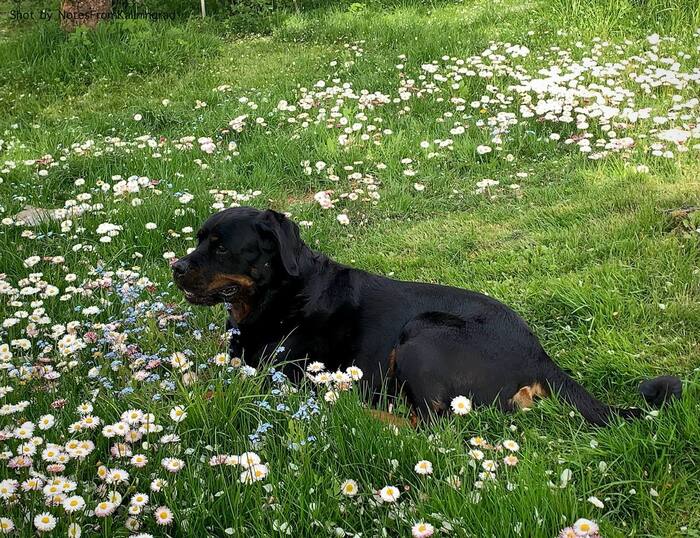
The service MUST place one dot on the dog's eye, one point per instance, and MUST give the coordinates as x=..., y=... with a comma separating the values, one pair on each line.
x=221, y=249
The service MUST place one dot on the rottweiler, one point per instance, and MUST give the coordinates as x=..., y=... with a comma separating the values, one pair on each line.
x=434, y=342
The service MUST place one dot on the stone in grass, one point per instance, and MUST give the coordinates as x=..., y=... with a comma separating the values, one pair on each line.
x=33, y=216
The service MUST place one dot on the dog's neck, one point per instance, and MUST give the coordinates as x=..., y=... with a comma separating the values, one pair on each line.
x=287, y=304
x=300, y=304
x=277, y=302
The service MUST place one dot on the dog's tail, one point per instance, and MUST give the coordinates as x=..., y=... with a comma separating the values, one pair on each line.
x=655, y=391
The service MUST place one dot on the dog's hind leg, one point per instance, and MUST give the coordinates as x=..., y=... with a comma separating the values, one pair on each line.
x=440, y=356
x=421, y=363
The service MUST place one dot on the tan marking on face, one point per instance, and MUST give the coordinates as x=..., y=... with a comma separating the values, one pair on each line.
x=222, y=280
x=241, y=302
x=525, y=397
x=388, y=418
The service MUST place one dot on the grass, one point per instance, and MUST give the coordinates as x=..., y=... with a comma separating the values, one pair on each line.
x=586, y=250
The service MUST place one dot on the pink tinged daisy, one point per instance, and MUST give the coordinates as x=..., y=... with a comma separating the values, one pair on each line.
x=461, y=405
x=510, y=460
x=109, y=431
x=73, y=504
x=133, y=436
x=25, y=431
x=117, y=476
x=139, y=499
x=349, y=488
x=105, y=508
x=32, y=484
x=585, y=527
x=422, y=530
x=44, y=522
x=132, y=416
x=134, y=510
x=85, y=408
x=489, y=465
x=511, y=445
x=8, y=488
x=173, y=464
x=90, y=422
x=139, y=460
x=51, y=490
x=389, y=494
x=423, y=467
x=163, y=515
x=219, y=459
x=66, y=485
x=102, y=472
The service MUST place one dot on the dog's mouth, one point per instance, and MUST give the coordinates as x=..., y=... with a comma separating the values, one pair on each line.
x=226, y=294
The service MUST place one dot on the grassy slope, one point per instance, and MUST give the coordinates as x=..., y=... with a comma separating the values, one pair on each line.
x=586, y=255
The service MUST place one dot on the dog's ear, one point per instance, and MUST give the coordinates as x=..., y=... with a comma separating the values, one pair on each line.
x=286, y=235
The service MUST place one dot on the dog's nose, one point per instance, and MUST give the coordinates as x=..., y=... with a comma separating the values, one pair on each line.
x=180, y=267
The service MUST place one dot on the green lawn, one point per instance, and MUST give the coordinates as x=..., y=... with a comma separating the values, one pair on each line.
x=586, y=115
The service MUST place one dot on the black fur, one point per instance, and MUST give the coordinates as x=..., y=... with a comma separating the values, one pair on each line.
x=436, y=342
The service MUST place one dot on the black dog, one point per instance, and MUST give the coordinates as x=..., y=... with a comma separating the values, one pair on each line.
x=435, y=342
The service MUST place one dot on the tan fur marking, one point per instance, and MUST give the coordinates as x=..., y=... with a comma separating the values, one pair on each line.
x=222, y=280
x=240, y=306
x=391, y=371
x=525, y=397
x=240, y=310
x=388, y=418
x=438, y=406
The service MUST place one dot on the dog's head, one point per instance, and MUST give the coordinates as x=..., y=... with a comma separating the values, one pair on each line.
x=241, y=253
